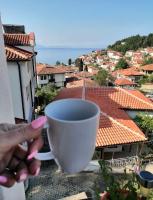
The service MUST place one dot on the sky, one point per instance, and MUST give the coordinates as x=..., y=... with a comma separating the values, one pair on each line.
x=80, y=23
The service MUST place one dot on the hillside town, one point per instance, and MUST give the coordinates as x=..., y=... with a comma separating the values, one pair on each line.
x=121, y=85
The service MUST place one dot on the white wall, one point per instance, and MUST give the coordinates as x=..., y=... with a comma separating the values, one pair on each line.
x=15, y=88
x=6, y=105
x=59, y=80
x=6, y=115
x=26, y=77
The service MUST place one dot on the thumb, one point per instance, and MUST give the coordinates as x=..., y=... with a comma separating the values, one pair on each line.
x=31, y=131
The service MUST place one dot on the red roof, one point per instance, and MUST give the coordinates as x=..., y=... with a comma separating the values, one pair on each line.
x=18, y=39
x=116, y=127
x=123, y=81
x=128, y=72
x=17, y=54
x=147, y=67
x=80, y=83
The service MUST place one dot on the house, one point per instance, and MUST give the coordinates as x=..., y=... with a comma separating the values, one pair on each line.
x=147, y=69
x=51, y=74
x=131, y=73
x=129, y=53
x=21, y=59
x=124, y=83
x=114, y=55
x=117, y=131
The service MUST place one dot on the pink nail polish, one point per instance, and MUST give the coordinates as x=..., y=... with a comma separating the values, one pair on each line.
x=37, y=172
x=32, y=155
x=37, y=123
x=3, y=179
x=23, y=177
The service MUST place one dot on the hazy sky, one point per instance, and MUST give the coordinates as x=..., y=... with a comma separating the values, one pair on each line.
x=80, y=23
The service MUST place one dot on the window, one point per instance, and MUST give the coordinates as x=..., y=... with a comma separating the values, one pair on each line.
x=43, y=77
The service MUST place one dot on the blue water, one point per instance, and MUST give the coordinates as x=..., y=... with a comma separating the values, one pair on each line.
x=51, y=55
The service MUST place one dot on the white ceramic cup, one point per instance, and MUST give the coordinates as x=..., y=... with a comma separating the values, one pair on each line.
x=72, y=128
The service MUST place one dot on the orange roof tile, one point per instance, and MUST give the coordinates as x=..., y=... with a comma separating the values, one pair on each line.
x=17, y=54
x=18, y=39
x=147, y=67
x=116, y=127
x=128, y=72
x=123, y=81
x=79, y=83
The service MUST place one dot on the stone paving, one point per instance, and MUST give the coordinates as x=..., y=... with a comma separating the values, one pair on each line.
x=53, y=185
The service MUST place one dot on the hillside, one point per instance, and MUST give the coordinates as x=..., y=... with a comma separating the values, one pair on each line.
x=132, y=43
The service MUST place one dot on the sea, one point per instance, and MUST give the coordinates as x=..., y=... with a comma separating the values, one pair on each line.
x=52, y=55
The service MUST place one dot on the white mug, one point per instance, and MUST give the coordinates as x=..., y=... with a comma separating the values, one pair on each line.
x=72, y=128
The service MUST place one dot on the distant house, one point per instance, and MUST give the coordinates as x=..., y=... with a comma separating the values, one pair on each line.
x=114, y=55
x=51, y=74
x=124, y=83
x=21, y=60
x=131, y=73
x=117, y=131
x=147, y=69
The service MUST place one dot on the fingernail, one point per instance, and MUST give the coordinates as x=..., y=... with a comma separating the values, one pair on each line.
x=32, y=155
x=3, y=179
x=37, y=172
x=37, y=123
x=23, y=177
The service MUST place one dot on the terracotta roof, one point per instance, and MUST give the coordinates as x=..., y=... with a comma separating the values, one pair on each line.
x=147, y=67
x=123, y=81
x=18, y=39
x=79, y=83
x=116, y=127
x=17, y=54
x=47, y=69
x=128, y=72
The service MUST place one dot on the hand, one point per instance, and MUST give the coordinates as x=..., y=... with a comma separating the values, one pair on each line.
x=16, y=162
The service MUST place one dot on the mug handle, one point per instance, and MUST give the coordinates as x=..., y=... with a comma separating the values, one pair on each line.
x=47, y=155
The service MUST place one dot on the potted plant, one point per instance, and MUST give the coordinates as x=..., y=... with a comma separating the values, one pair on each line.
x=120, y=187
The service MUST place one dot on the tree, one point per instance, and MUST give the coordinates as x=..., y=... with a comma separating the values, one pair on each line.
x=150, y=78
x=46, y=94
x=148, y=61
x=145, y=122
x=122, y=64
x=79, y=64
x=69, y=61
x=85, y=68
x=103, y=77
x=58, y=62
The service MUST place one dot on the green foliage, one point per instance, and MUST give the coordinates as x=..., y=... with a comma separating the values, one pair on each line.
x=132, y=43
x=46, y=94
x=103, y=77
x=146, y=79
x=122, y=64
x=114, y=185
x=58, y=62
x=150, y=78
x=148, y=61
x=145, y=122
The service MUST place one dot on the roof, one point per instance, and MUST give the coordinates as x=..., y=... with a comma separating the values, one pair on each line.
x=147, y=67
x=17, y=54
x=43, y=69
x=123, y=81
x=18, y=39
x=80, y=83
x=116, y=127
x=128, y=72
